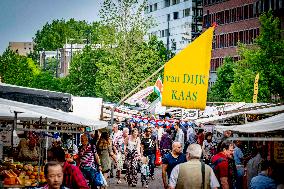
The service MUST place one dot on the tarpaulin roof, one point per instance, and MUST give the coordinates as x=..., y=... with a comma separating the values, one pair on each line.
x=258, y=111
x=273, y=123
x=34, y=112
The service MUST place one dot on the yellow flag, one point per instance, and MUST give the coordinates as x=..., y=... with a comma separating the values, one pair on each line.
x=186, y=74
x=255, y=90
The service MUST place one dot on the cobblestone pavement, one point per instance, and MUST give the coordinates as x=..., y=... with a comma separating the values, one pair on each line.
x=153, y=184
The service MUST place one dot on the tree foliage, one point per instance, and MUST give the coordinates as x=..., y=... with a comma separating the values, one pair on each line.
x=115, y=61
x=225, y=77
x=82, y=73
x=16, y=69
x=265, y=58
x=133, y=59
x=22, y=71
x=96, y=72
x=55, y=34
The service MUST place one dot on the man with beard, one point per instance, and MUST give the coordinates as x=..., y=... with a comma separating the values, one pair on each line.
x=171, y=160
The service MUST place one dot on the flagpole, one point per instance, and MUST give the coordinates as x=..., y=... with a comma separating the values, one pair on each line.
x=131, y=92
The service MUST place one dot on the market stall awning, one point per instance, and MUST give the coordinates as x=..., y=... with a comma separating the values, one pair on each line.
x=258, y=111
x=34, y=112
x=273, y=123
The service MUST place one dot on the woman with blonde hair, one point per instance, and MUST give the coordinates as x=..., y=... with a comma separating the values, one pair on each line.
x=132, y=156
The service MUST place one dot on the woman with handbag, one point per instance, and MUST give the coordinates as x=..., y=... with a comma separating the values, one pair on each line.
x=132, y=156
x=89, y=162
x=105, y=152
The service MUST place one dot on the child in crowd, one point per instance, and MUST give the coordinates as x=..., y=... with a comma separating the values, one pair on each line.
x=145, y=172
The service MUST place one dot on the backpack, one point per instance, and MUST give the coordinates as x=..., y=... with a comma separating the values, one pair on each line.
x=214, y=165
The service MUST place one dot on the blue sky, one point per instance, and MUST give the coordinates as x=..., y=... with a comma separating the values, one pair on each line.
x=20, y=19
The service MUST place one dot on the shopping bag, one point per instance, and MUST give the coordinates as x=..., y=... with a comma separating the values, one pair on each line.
x=158, y=160
x=99, y=179
x=105, y=182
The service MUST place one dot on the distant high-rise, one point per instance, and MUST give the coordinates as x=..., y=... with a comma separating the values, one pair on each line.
x=238, y=20
x=21, y=48
x=178, y=22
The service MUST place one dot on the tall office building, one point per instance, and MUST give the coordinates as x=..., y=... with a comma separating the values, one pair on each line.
x=238, y=20
x=178, y=22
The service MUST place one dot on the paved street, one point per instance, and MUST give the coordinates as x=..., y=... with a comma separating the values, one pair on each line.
x=153, y=184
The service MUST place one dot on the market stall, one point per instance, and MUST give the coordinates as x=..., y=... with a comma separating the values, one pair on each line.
x=34, y=126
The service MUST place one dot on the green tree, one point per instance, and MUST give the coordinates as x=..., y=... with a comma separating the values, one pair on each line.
x=55, y=34
x=225, y=77
x=47, y=81
x=82, y=73
x=265, y=58
x=128, y=26
x=17, y=70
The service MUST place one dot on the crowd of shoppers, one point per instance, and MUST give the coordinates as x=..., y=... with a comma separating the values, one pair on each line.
x=191, y=158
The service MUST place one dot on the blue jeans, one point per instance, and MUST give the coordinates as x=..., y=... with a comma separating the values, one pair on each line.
x=151, y=164
x=89, y=173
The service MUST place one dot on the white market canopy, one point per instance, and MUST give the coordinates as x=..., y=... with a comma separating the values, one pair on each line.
x=34, y=112
x=273, y=123
x=257, y=111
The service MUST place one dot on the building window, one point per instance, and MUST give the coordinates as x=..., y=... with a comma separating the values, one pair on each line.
x=199, y=2
x=266, y=6
x=175, y=15
x=250, y=36
x=220, y=17
x=221, y=41
x=257, y=31
x=250, y=10
x=239, y=13
x=167, y=3
x=231, y=39
x=236, y=38
x=199, y=12
x=246, y=14
x=277, y=4
x=174, y=45
x=233, y=16
x=151, y=8
x=146, y=9
x=155, y=6
x=186, y=12
x=163, y=33
x=217, y=41
x=241, y=36
x=227, y=16
x=174, y=2
x=167, y=32
x=246, y=41
x=168, y=17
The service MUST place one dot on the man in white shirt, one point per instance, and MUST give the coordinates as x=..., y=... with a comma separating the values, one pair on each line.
x=193, y=173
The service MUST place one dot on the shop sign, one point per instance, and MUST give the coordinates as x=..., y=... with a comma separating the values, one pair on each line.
x=279, y=152
x=186, y=75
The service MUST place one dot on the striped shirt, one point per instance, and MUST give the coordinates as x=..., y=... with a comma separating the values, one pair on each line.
x=87, y=156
